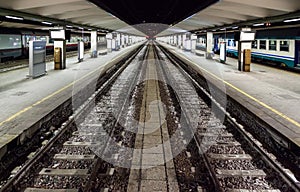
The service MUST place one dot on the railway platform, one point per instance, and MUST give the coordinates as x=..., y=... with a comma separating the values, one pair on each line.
x=25, y=102
x=271, y=94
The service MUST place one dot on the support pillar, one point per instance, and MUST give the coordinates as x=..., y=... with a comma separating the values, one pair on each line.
x=122, y=40
x=193, y=43
x=183, y=41
x=179, y=41
x=126, y=40
x=244, y=43
x=188, y=42
x=94, y=44
x=118, y=42
x=109, y=42
x=209, y=45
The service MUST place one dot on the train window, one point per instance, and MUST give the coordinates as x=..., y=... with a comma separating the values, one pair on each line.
x=284, y=46
x=272, y=45
x=254, y=44
x=231, y=43
x=10, y=41
x=262, y=44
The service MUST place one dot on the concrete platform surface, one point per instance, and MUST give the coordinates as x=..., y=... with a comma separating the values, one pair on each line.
x=25, y=101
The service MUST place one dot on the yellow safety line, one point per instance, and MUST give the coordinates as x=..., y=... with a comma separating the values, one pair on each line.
x=249, y=96
x=56, y=92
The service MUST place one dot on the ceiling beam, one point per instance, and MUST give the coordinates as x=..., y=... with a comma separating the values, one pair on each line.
x=79, y=13
x=54, y=9
x=246, y=9
x=226, y=14
x=28, y=4
x=91, y=18
x=214, y=19
x=281, y=5
x=198, y=22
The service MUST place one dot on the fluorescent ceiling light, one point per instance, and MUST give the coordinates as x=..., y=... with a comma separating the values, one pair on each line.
x=291, y=20
x=258, y=24
x=80, y=28
x=47, y=23
x=14, y=17
x=189, y=17
x=69, y=26
x=234, y=27
x=223, y=29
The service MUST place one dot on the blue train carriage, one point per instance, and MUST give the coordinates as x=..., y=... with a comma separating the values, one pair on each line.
x=280, y=47
x=282, y=52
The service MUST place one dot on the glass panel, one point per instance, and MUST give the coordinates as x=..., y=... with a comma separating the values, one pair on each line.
x=262, y=44
x=272, y=45
x=254, y=44
x=284, y=46
x=10, y=41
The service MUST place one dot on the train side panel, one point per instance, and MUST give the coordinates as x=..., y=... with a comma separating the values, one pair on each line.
x=10, y=46
x=279, y=51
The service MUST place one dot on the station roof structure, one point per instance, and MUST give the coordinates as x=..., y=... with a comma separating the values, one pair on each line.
x=131, y=16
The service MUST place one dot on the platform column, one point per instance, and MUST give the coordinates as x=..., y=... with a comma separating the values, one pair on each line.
x=175, y=41
x=126, y=40
x=193, y=43
x=184, y=41
x=188, y=42
x=118, y=41
x=109, y=42
x=61, y=44
x=245, y=39
x=209, y=45
x=94, y=44
x=179, y=41
x=129, y=39
x=122, y=40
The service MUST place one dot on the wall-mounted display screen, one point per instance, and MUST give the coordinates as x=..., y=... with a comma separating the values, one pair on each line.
x=57, y=34
x=247, y=36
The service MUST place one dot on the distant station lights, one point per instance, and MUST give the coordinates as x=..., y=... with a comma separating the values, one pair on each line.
x=47, y=23
x=14, y=17
x=291, y=20
x=258, y=24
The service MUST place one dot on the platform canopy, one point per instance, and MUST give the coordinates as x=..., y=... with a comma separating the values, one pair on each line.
x=174, y=15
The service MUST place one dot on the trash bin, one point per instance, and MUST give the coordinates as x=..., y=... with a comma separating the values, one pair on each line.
x=247, y=60
x=94, y=54
x=57, y=58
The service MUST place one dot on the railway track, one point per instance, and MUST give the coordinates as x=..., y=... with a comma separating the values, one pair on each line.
x=73, y=159
x=103, y=147
x=235, y=160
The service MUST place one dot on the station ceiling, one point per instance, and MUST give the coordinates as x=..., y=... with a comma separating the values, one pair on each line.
x=132, y=16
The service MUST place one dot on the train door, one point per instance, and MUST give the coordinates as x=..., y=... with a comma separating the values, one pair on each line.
x=297, y=53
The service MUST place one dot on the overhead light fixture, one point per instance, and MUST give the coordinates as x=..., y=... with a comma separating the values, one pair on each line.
x=258, y=24
x=235, y=27
x=69, y=26
x=14, y=17
x=80, y=28
x=223, y=29
x=291, y=20
x=112, y=15
x=47, y=23
x=189, y=17
x=89, y=29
